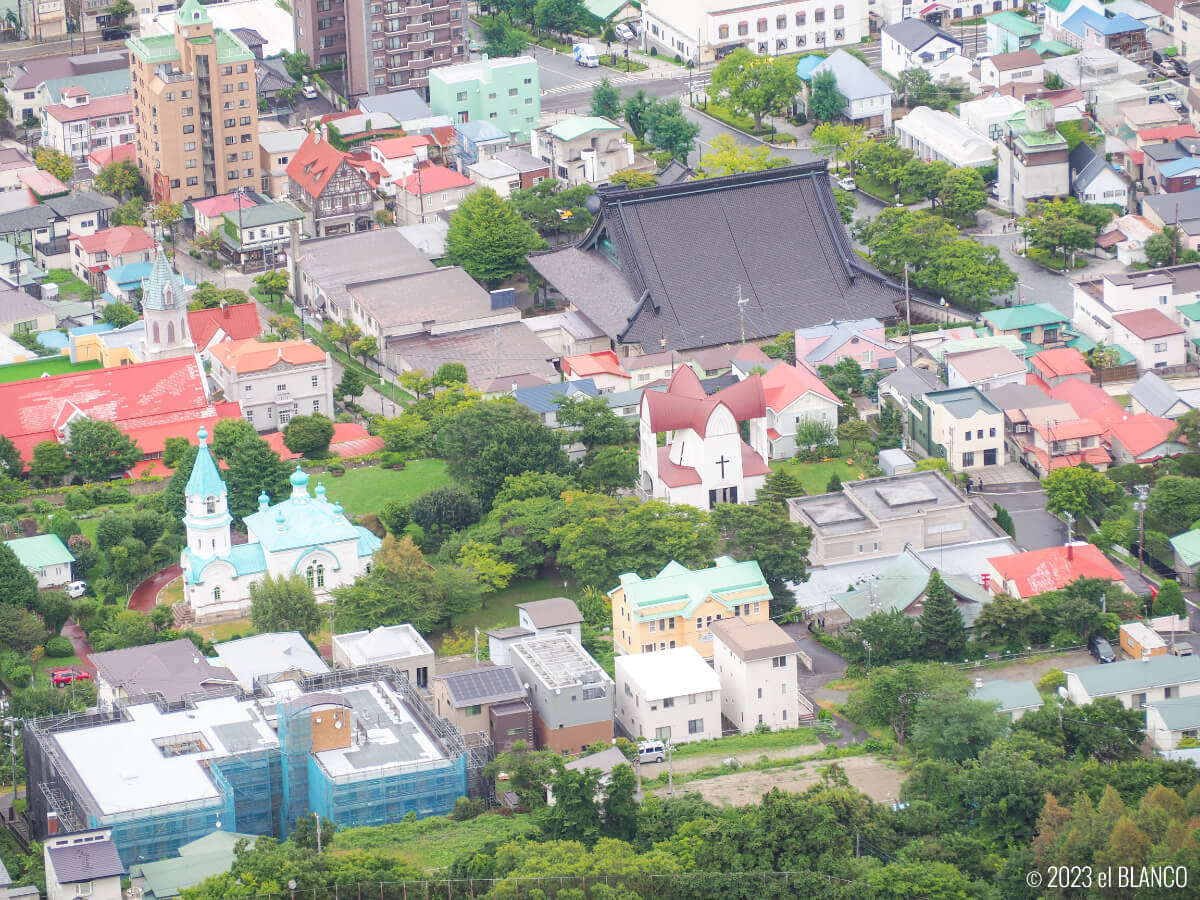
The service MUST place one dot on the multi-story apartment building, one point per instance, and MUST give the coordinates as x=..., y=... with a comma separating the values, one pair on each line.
x=505, y=92
x=195, y=109
x=384, y=45
x=81, y=123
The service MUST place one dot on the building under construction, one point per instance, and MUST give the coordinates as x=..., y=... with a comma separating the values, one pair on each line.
x=357, y=746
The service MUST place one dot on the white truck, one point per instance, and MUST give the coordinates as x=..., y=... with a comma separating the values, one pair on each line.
x=586, y=55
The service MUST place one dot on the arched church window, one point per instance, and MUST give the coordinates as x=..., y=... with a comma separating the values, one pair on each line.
x=311, y=577
x=170, y=332
x=216, y=594
x=210, y=505
x=157, y=334
x=320, y=576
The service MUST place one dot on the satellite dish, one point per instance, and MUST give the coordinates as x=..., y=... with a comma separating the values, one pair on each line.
x=592, y=204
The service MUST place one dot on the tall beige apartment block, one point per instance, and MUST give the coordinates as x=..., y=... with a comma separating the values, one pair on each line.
x=195, y=109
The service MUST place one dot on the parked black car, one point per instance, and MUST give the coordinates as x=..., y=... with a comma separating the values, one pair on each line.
x=1101, y=649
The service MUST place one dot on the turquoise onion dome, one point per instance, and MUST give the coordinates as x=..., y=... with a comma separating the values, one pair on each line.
x=299, y=477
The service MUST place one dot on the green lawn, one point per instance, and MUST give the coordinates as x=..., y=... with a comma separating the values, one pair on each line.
x=36, y=368
x=881, y=191
x=432, y=843
x=500, y=609
x=815, y=476
x=771, y=740
x=69, y=286
x=366, y=490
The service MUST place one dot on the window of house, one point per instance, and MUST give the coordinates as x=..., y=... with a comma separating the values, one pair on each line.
x=781, y=21
x=192, y=181
x=474, y=710
x=991, y=432
x=743, y=29
x=819, y=15
x=800, y=18
x=316, y=406
x=779, y=662
x=216, y=593
x=722, y=31
x=1160, y=347
x=968, y=460
x=461, y=96
x=968, y=436
x=695, y=726
x=663, y=733
x=761, y=25
x=760, y=693
x=668, y=702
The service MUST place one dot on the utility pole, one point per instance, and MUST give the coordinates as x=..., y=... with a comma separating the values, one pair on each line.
x=1141, y=490
x=1070, y=526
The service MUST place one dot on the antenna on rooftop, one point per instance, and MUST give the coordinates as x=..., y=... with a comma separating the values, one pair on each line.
x=741, y=302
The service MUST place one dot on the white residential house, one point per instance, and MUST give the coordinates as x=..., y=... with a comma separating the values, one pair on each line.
x=399, y=646
x=704, y=460
x=988, y=116
x=1136, y=683
x=82, y=864
x=46, y=556
x=756, y=665
x=400, y=156
x=1012, y=698
x=1097, y=301
x=1022, y=66
x=986, y=368
x=1093, y=180
x=82, y=124
x=537, y=618
x=916, y=44
x=1155, y=340
x=1170, y=721
x=868, y=97
x=793, y=395
x=1058, y=11
x=669, y=695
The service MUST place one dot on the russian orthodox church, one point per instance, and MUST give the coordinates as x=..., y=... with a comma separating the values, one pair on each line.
x=304, y=535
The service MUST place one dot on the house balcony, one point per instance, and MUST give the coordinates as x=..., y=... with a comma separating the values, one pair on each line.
x=175, y=77
x=53, y=247
x=283, y=397
x=414, y=46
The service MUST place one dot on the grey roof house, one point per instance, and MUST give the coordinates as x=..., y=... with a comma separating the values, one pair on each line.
x=662, y=267
x=486, y=698
x=1015, y=698
x=1093, y=180
x=82, y=863
x=868, y=97
x=172, y=669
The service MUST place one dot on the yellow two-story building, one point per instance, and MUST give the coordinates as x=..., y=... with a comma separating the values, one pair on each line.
x=676, y=607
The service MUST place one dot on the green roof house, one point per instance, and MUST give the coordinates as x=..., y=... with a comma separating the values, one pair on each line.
x=504, y=92
x=1008, y=33
x=1033, y=323
x=1015, y=698
x=676, y=607
x=1137, y=682
x=1169, y=721
x=197, y=860
x=1187, y=555
x=582, y=149
x=46, y=556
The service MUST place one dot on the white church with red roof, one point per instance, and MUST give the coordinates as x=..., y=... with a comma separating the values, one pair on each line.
x=704, y=460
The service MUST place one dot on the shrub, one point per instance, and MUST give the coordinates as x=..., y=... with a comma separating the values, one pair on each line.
x=654, y=51
x=1051, y=681
x=58, y=647
x=466, y=808
x=678, y=59
x=78, y=501
x=371, y=522
x=336, y=466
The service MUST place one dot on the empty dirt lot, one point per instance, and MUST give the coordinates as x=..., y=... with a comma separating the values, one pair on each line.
x=877, y=778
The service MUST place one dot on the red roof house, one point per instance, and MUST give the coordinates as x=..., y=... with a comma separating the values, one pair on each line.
x=349, y=440
x=1034, y=572
x=106, y=156
x=1154, y=339
x=1053, y=367
x=602, y=367
x=223, y=323
x=792, y=394
x=339, y=205
x=154, y=400
x=92, y=254
x=1143, y=438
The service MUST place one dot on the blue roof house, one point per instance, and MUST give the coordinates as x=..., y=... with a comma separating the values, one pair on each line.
x=1123, y=34
x=868, y=97
x=544, y=399
x=478, y=139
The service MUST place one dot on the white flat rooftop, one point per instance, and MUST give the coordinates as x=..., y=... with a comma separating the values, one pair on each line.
x=124, y=770
x=668, y=673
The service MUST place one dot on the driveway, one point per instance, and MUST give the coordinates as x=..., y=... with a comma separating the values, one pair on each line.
x=1026, y=503
x=81, y=645
x=711, y=128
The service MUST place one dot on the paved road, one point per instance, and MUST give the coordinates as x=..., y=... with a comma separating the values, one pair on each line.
x=710, y=128
x=34, y=50
x=145, y=596
x=81, y=645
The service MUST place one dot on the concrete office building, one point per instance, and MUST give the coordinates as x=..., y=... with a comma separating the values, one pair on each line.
x=503, y=92
x=195, y=108
x=383, y=45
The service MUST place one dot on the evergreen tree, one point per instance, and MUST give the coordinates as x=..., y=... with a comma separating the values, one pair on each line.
x=489, y=239
x=606, y=101
x=18, y=587
x=779, y=486
x=834, y=485
x=942, y=629
x=254, y=468
x=10, y=458
x=1005, y=521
